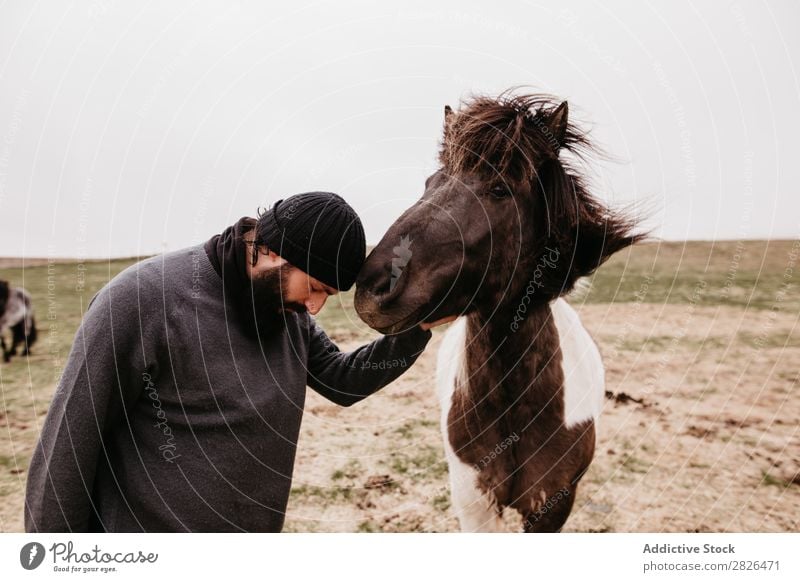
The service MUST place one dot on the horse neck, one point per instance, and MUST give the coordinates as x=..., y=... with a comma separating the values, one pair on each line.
x=509, y=364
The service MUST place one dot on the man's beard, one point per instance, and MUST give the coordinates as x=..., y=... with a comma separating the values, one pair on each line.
x=265, y=310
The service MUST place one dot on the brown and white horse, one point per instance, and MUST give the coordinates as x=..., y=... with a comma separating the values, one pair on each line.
x=504, y=229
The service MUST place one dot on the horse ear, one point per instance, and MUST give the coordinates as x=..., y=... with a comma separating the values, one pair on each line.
x=558, y=123
x=448, y=120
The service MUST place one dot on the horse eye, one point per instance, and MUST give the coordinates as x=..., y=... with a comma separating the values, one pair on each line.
x=500, y=191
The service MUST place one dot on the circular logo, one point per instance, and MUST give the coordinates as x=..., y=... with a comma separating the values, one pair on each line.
x=31, y=555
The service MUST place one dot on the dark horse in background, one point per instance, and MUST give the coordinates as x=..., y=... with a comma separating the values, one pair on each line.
x=16, y=313
x=505, y=227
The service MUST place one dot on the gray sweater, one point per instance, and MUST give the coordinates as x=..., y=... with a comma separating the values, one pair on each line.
x=167, y=417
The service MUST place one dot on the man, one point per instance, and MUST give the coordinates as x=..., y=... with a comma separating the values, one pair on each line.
x=180, y=404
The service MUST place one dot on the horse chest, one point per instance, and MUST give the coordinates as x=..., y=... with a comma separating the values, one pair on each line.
x=502, y=422
x=489, y=434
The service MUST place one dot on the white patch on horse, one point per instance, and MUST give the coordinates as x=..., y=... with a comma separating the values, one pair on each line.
x=476, y=511
x=584, y=375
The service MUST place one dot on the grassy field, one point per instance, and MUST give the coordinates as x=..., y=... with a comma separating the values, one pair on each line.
x=699, y=433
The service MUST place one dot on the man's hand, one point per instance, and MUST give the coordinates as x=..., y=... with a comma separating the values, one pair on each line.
x=427, y=326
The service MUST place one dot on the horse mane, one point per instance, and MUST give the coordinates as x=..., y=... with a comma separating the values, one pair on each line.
x=516, y=138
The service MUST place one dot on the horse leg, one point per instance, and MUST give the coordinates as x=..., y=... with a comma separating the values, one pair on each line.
x=17, y=337
x=21, y=336
x=29, y=329
x=6, y=354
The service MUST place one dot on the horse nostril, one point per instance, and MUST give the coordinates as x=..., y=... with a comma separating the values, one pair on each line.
x=383, y=287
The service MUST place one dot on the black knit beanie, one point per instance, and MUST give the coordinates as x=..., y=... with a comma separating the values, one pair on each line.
x=317, y=232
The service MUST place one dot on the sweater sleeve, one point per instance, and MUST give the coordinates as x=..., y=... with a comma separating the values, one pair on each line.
x=102, y=378
x=346, y=378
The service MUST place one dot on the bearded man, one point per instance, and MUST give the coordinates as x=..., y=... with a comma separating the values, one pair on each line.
x=180, y=404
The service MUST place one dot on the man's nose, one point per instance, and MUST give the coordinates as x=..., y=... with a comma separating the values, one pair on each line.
x=314, y=305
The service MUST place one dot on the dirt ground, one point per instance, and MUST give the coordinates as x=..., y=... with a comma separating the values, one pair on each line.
x=699, y=433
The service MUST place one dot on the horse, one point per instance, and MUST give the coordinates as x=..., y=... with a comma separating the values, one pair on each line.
x=505, y=228
x=16, y=313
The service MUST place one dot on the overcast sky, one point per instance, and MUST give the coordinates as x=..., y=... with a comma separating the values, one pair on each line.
x=129, y=128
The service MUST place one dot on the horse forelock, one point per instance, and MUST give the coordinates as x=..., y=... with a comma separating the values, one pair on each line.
x=504, y=138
